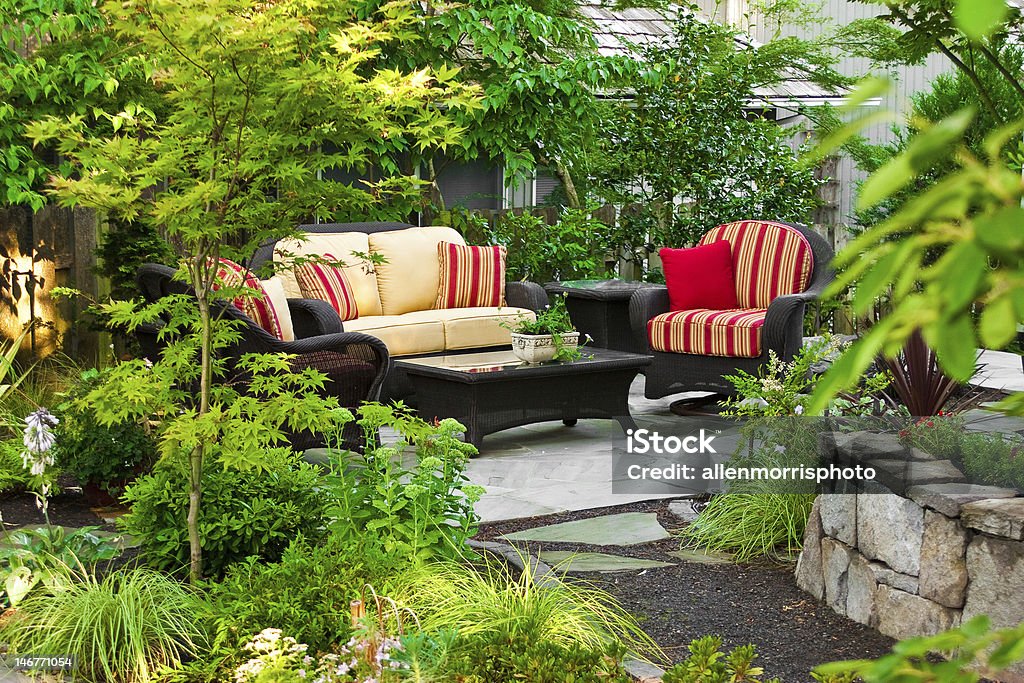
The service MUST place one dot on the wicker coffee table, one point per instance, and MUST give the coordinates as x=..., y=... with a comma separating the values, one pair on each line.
x=492, y=391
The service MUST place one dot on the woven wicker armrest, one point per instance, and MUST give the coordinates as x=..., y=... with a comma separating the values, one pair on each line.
x=312, y=317
x=644, y=305
x=783, y=324
x=522, y=294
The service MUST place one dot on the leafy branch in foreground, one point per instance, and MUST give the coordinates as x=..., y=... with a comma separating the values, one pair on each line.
x=954, y=249
x=972, y=651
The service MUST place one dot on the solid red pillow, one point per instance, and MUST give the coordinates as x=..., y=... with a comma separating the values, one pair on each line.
x=700, y=277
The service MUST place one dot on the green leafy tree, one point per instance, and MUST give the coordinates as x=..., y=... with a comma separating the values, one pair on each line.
x=686, y=155
x=539, y=71
x=260, y=100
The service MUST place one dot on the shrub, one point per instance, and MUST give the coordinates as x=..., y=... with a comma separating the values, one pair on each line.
x=106, y=455
x=256, y=511
x=306, y=594
x=119, y=628
x=575, y=247
x=994, y=459
x=706, y=663
x=489, y=602
x=504, y=656
x=941, y=435
x=13, y=475
x=416, y=508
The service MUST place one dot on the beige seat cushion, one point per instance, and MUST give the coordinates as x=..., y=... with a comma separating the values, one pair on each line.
x=447, y=329
x=360, y=273
x=402, y=334
x=409, y=279
x=467, y=328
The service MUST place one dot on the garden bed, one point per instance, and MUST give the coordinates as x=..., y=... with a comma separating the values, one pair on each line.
x=750, y=603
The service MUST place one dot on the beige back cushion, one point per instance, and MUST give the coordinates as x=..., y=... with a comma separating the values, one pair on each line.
x=360, y=274
x=409, y=278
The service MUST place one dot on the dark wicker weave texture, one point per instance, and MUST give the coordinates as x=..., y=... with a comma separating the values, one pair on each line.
x=672, y=373
x=355, y=364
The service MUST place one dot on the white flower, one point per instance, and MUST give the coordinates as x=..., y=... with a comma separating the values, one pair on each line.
x=799, y=410
x=38, y=440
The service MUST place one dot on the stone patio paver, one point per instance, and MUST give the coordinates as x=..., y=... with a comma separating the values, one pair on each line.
x=573, y=563
x=546, y=468
x=999, y=370
x=628, y=528
x=701, y=557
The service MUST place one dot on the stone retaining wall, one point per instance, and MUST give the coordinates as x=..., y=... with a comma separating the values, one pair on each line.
x=921, y=563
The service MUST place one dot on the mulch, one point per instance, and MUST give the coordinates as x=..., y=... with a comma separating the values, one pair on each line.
x=750, y=603
x=67, y=508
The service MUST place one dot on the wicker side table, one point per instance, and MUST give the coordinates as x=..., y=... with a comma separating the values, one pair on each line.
x=600, y=308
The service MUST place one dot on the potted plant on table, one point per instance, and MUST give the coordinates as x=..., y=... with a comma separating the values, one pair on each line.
x=550, y=336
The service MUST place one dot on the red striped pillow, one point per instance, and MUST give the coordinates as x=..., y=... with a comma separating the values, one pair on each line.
x=319, y=280
x=257, y=305
x=470, y=276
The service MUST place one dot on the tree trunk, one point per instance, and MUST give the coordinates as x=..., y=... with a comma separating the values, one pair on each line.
x=565, y=177
x=195, y=484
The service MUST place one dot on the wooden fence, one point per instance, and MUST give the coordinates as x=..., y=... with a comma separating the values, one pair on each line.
x=54, y=247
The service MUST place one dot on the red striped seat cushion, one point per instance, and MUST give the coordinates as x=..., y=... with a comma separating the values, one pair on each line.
x=735, y=333
x=323, y=281
x=470, y=276
x=257, y=305
x=769, y=260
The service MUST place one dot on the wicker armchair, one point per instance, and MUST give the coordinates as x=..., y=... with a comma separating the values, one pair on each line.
x=781, y=325
x=355, y=364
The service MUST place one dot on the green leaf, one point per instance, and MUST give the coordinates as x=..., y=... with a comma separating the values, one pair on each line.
x=867, y=89
x=959, y=275
x=878, y=277
x=978, y=18
x=1001, y=233
x=924, y=149
x=998, y=324
x=954, y=344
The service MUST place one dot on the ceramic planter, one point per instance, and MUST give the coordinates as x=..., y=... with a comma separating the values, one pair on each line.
x=540, y=348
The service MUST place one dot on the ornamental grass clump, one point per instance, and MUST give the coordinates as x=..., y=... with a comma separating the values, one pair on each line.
x=480, y=602
x=751, y=525
x=123, y=627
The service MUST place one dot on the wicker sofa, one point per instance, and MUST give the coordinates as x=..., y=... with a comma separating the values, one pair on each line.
x=396, y=298
x=775, y=323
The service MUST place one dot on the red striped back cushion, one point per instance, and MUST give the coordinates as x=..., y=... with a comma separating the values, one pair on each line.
x=769, y=260
x=257, y=305
x=328, y=283
x=470, y=276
